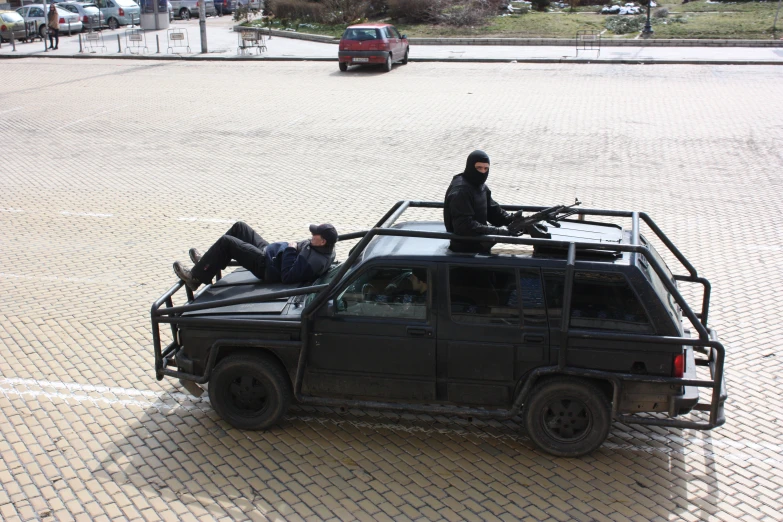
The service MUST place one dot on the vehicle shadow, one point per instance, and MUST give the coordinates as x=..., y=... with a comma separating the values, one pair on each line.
x=360, y=460
x=363, y=71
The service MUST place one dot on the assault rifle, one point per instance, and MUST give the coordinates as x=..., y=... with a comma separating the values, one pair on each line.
x=532, y=225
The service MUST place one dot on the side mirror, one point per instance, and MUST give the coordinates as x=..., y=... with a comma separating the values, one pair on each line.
x=404, y=37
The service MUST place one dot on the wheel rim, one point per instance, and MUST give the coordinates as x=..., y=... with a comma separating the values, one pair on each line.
x=247, y=396
x=185, y=14
x=567, y=420
x=113, y=24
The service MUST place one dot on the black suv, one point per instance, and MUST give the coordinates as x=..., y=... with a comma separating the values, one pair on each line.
x=406, y=324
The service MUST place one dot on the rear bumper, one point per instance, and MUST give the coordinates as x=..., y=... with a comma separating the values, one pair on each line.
x=369, y=56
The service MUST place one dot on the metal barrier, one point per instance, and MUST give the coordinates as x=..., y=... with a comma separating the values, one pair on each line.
x=94, y=41
x=249, y=40
x=135, y=41
x=588, y=41
x=31, y=31
x=177, y=39
x=135, y=20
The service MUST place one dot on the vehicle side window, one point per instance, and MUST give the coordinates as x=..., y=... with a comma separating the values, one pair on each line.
x=394, y=32
x=71, y=8
x=389, y=33
x=392, y=292
x=602, y=301
x=36, y=12
x=483, y=296
x=109, y=3
x=533, y=303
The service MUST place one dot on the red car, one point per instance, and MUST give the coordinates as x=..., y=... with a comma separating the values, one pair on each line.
x=365, y=44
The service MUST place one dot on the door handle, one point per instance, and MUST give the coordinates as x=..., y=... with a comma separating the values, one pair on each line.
x=419, y=332
x=533, y=338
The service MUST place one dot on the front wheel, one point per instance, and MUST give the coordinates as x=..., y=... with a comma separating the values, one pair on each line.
x=113, y=23
x=250, y=392
x=343, y=66
x=42, y=31
x=388, y=65
x=567, y=417
x=405, y=59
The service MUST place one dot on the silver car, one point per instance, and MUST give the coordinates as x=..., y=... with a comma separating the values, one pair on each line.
x=69, y=22
x=186, y=8
x=120, y=12
x=89, y=13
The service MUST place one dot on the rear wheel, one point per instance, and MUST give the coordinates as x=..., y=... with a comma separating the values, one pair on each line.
x=567, y=417
x=184, y=14
x=250, y=392
x=388, y=65
x=42, y=31
x=343, y=66
x=405, y=60
x=113, y=23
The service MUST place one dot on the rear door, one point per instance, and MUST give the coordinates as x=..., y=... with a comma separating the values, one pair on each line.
x=379, y=341
x=486, y=342
x=394, y=42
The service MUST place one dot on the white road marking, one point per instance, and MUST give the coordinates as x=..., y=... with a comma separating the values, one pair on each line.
x=91, y=116
x=15, y=210
x=207, y=220
x=85, y=214
x=12, y=110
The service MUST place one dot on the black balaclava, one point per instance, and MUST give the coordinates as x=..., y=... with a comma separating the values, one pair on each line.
x=473, y=176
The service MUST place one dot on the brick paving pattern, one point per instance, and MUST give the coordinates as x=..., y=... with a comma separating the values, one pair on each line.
x=111, y=170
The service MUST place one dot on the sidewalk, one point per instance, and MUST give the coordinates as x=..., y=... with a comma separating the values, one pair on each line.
x=222, y=44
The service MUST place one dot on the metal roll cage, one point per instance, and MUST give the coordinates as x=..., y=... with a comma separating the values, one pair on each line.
x=707, y=342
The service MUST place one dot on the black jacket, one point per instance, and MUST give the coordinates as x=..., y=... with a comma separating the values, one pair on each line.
x=468, y=210
x=287, y=264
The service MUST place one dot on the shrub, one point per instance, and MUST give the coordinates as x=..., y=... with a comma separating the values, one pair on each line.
x=413, y=11
x=540, y=5
x=346, y=11
x=462, y=14
x=661, y=13
x=625, y=24
x=300, y=10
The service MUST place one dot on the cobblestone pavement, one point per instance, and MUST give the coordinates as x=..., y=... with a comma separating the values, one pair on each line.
x=111, y=170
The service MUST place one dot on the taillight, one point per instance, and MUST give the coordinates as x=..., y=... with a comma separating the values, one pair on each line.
x=62, y=20
x=3, y=28
x=122, y=12
x=679, y=365
x=85, y=19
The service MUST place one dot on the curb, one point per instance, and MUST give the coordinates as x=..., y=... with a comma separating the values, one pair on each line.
x=534, y=41
x=581, y=61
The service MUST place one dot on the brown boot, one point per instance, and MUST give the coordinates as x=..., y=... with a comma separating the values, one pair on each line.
x=186, y=276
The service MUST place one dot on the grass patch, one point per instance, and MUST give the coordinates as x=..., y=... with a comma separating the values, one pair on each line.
x=699, y=19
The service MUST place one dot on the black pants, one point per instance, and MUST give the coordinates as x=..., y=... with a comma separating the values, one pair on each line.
x=54, y=36
x=241, y=243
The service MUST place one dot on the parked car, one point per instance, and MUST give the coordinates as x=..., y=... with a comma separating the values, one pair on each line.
x=185, y=9
x=226, y=6
x=119, y=12
x=366, y=44
x=89, y=13
x=12, y=23
x=573, y=330
x=255, y=5
x=69, y=22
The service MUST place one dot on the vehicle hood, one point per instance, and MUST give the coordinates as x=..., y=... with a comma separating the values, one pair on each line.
x=242, y=283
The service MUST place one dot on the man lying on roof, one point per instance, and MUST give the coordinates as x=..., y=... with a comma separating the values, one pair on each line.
x=281, y=262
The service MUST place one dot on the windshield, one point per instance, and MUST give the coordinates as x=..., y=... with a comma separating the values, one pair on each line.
x=323, y=280
x=12, y=17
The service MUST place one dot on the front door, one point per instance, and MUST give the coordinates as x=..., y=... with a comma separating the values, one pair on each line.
x=378, y=342
x=492, y=332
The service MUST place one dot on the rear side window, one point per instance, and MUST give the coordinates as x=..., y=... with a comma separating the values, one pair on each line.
x=361, y=34
x=12, y=17
x=601, y=301
x=483, y=296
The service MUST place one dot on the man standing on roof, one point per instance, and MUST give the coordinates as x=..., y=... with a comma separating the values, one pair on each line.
x=282, y=262
x=469, y=209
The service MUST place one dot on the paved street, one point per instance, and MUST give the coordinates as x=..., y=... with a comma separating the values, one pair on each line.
x=113, y=169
